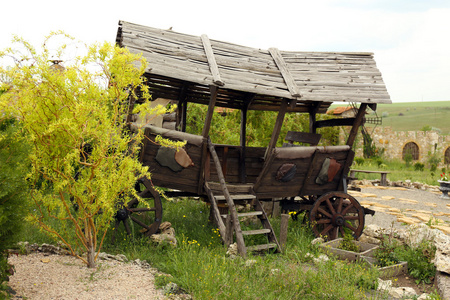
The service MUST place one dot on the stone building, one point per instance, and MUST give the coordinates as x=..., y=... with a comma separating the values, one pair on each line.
x=420, y=144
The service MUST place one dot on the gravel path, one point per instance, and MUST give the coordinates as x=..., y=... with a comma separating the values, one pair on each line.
x=43, y=276
x=397, y=205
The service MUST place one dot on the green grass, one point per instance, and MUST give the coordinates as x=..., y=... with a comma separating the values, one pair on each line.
x=399, y=171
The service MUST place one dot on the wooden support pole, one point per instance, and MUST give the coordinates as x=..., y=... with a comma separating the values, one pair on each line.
x=312, y=116
x=358, y=122
x=277, y=128
x=283, y=231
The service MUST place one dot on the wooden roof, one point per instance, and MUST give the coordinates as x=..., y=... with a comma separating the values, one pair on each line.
x=183, y=66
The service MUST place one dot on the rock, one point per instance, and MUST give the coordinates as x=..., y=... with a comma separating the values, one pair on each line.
x=384, y=285
x=121, y=257
x=443, y=284
x=321, y=259
x=442, y=257
x=368, y=239
x=164, y=238
x=416, y=233
x=424, y=296
x=164, y=226
x=318, y=240
x=232, y=250
x=171, y=288
x=402, y=292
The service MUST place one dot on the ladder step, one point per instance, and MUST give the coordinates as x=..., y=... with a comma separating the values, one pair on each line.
x=247, y=214
x=262, y=247
x=256, y=231
x=236, y=197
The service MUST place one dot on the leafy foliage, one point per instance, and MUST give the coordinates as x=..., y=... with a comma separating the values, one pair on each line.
x=82, y=153
x=13, y=188
x=225, y=127
x=419, y=261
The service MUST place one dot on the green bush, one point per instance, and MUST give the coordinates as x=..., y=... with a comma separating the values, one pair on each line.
x=13, y=189
x=419, y=166
x=419, y=261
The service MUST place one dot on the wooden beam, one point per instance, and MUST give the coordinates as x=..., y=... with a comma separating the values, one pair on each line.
x=358, y=122
x=277, y=128
x=214, y=90
x=287, y=76
x=335, y=122
x=211, y=60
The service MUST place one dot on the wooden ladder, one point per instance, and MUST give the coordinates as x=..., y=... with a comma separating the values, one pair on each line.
x=229, y=224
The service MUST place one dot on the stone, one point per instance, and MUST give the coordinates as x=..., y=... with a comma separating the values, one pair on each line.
x=417, y=233
x=402, y=292
x=232, y=250
x=164, y=226
x=368, y=239
x=424, y=296
x=164, y=238
x=442, y=257
x=171, y=288
x=384, y=285
x=318, y=240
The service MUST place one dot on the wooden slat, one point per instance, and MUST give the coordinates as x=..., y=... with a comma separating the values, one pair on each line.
x=290, y=82
x=247, y=214
x=261, y=247
x=256, y=231
x=211, y=60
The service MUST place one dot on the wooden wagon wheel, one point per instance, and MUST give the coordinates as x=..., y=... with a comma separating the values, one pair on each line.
x=335, y=214
x=139, y=213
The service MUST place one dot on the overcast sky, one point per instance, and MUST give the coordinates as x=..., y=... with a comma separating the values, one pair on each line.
x=410, y=38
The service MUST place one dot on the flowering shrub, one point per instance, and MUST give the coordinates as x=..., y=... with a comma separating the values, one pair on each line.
x=444, y=176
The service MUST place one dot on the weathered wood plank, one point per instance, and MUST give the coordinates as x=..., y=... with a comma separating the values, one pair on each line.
x=290, y=82
x=211, y=60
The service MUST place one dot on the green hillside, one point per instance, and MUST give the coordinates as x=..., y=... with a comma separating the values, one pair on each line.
x=414, y=116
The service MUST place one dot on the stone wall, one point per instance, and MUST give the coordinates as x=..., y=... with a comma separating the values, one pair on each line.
x=393, y=143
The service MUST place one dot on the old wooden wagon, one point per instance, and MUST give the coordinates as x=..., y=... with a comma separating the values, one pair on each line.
x=185, y=68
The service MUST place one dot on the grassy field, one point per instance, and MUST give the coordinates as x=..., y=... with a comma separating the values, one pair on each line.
x=414, y=116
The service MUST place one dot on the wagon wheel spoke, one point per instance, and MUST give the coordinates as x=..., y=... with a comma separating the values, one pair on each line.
x=324, y=212
x=350, y=227
x=341, y=230
x=340, y=203
x=142, y=209
x=346, y=209
x=351, y=218
x=127, y=227
x=330, y=206
x=323, y=232
x=334, y=233
x=323, y=221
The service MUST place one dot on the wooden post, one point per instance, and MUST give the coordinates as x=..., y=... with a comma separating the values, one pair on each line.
x=312, y=116
x=276, y=210
x=358, y=122
x=214, y=90
x=283, y=231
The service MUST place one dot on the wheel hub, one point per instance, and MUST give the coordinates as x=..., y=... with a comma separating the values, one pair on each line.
x=121, y=214
x=338, y=220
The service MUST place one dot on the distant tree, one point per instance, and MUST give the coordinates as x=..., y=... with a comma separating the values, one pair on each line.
x=84, y=160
